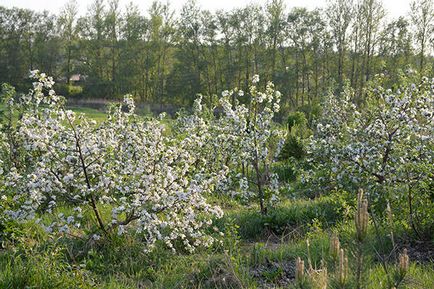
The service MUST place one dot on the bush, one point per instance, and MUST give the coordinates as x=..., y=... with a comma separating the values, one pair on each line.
x=74, y=90
x=244, y=140
x=295, y=143
x=311, y=111
x=70, y=90
x=65, y=166
x=293, y=148
x=296, y=118
x=385, y=146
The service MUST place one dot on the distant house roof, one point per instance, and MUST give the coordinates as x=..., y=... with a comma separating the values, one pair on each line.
x=75, y=77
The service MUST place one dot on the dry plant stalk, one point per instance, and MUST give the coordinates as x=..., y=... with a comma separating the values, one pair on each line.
x=322, y=279
x=361, y=221
x=299, y=270
x=335, y=246
x=404, y=262
x=309, y=260
x=319, y=278
x=343, y=267
x=362, y=216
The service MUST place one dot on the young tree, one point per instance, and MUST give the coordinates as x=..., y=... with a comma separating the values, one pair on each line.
x=422, y=18
x=252, y=128
x=93, y=39
x=161, y=39
x=189, y=69
x=243, y=141
x=372, y=13
x=112, y=26
x=275, y=16
x=130, y=63
x=384, y=146
x=395, y=47
x=152, y=182
x=68, y=28
x=340, y=14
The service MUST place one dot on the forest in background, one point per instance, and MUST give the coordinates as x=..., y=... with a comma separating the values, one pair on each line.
x=165, y=58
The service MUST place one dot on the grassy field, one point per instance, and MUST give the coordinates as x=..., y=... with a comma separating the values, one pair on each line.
x=92, y=113
x=98, y=115
x=95, y=114
x=257, y=252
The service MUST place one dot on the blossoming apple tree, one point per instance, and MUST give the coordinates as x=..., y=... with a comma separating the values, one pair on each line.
x=242, y=139
x=385, y=145
x=68, y=166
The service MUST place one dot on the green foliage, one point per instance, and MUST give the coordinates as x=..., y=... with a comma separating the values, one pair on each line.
x=70, y=90
x=297, y=216
x=296, y=118
x=298, y=133
x=311, y=111
x=286, y=171
x=293, y=148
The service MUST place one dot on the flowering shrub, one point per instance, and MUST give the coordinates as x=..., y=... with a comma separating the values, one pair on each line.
x=69, y=165
x=243, y=140
x=386, y=145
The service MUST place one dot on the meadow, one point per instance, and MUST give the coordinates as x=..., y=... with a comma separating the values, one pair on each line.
x=219, y=197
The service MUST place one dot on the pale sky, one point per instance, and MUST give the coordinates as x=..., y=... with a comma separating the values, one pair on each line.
x=394, y=8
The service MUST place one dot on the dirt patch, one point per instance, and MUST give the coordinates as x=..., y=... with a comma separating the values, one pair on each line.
x=419, y=251
x=223, y=279
x=273, y=274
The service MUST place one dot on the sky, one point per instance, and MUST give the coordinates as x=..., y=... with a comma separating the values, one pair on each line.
x=395, y=8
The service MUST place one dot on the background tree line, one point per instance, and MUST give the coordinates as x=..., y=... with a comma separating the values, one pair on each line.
x=161, y=57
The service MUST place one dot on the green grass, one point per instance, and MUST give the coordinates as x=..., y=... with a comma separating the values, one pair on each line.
x=33, y=260
x=94, y=114
x=261, y=244
x=291, y=218
x=418, y=277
